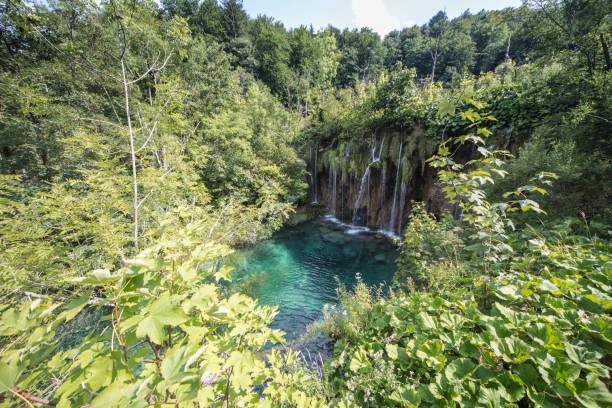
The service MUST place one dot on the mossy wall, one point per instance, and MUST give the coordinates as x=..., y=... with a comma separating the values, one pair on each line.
x=348, y=161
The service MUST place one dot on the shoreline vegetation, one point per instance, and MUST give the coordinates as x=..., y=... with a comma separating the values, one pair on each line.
x=141, y=144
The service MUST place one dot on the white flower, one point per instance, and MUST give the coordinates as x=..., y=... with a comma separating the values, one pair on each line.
x=344, y=312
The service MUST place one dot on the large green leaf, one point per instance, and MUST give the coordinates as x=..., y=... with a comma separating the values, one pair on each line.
x=173, y=365
x=160, y=313
x=9, y=374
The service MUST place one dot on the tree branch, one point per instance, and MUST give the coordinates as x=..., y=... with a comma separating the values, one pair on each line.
x=29, y=397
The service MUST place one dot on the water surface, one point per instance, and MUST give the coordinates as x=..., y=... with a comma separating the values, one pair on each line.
x=299, y=268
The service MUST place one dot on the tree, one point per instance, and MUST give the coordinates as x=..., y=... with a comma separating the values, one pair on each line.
x=155, y=62
x=362, y=56
x=313, y=62
x=576, y=25
x=208, y=19
x=271, y=51
x=234, y=18
x=181, y=8
x=436, y=28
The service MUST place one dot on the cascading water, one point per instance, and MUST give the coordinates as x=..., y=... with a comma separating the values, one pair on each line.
x=399, y=165
x=369, y=199
x=329, y=188
x=383, y=186
x=374, y=158
x=316, y=197
x=341, y=196
x=310, y=161
x=508, y=132
x=401, y=207
x=335, y=194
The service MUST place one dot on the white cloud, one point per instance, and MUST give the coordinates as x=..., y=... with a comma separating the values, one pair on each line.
x=374, y=14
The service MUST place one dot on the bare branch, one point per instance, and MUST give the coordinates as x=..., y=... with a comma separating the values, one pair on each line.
x=144, y=199
x=153, y=68
x=149, y=137
x=104, y=122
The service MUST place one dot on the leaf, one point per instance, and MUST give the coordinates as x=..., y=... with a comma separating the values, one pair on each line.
x=97, y=277
x=223, y=273
x=100, y=373
x=74, y=307
x=161, y=312
x=446, y=109
x=391, y=350
x=459, y=369
x=9, y=373
x=548, y=286
x=592, y=393
x=172, y=367
x=528, y=374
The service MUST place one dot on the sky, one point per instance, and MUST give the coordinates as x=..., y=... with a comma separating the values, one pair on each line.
x=382, y=16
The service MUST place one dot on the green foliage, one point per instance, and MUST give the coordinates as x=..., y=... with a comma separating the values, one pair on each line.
x=208, y=141
x=481, y=316
x=577, y=188
x=430, y=255
x=531, y=336
x=170, y=338
x=464, y=186
x=178, y=126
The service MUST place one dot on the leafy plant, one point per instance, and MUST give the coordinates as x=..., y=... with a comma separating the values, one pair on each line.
x=171, y=338
x=430, y=254
x=534, y=336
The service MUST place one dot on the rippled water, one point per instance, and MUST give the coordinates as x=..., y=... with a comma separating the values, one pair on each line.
x=296, y=270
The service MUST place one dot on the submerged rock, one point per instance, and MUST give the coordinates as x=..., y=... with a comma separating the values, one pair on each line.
x=336, y=238
x=349, y=252
x=380, y=258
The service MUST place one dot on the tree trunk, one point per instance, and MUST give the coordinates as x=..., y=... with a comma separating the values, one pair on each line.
x=507, y=56
x=132, y=153
x=434, y=57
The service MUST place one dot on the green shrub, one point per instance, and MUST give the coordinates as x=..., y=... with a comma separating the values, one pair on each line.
x=522, y=338
x=523, y=318
x=171, y=338
x=579, y=187
x=430, y=253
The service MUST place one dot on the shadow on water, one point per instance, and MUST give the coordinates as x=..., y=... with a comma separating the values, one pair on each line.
x=297, y=270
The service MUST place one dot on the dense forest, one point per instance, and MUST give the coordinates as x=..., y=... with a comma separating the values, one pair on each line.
x=141, y=144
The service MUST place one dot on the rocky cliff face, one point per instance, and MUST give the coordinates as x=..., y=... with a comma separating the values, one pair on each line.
x=372, y=184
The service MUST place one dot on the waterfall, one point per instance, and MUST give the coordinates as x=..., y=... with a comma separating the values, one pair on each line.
x=369, y=198
x=383, y=186
x=399, y=165
x=341, y=195
x=373, y=159
x=334, y=196
x=329, y=188
x=316, y=198
x=508, y=132
x=310, y=161
x=401, y=208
